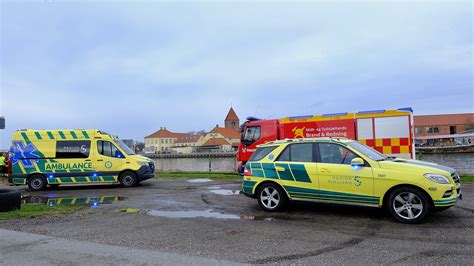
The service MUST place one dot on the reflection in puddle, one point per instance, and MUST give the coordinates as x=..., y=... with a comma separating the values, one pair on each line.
x=192, y=214
x=78, y=201
x=200, y=180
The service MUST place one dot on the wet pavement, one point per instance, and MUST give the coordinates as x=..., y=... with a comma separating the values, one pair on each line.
x=211, y=219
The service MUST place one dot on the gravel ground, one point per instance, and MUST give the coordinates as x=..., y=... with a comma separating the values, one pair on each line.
x=211, y=220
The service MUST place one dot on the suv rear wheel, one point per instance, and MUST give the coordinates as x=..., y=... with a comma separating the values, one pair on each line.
x=271, y=197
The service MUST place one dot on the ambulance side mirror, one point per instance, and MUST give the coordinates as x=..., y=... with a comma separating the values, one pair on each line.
x=357, y=163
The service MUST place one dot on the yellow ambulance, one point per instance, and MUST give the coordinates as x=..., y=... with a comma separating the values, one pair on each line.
x=344, y=171
x=55, y=157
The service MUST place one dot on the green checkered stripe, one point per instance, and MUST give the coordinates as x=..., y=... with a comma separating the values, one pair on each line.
x=291, y=172
x=247, y=186
x=314, y=194
x=446, y=202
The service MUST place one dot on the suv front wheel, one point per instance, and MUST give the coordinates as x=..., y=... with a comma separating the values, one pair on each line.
x=271, y=197
x=408, y=205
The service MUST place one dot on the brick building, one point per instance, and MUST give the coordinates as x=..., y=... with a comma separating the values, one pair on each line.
x=445, y=124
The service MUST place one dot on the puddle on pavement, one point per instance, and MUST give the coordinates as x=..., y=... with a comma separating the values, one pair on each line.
x=210, y=214
x=193, y=214
x=78, y=201
x=200, y=180
x=225, y=192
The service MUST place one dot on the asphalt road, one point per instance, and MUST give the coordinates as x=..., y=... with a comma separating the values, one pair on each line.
x=210, y=220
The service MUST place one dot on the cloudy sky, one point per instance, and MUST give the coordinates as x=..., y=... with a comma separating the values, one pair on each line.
x=129, y=68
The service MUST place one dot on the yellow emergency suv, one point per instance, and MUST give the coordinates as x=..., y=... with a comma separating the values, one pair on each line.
x=344, y=171
x=55, y=157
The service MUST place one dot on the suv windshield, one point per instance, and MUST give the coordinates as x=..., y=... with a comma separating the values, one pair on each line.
x=367, y=151
x=124, y=147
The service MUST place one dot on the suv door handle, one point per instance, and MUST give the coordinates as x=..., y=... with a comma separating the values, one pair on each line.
x=325, y=170
x=279, y=168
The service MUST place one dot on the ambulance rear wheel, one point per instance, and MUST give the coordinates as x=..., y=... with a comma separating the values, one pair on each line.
x=36, y=183
x=128, y=179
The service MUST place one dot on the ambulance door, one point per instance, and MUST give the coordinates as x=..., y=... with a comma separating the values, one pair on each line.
x=338, y=180
x=108, y=162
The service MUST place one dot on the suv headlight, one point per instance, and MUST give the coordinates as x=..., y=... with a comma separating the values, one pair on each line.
x=440, y=179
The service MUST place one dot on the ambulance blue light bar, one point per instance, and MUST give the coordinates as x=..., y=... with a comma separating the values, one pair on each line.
x=335, y=114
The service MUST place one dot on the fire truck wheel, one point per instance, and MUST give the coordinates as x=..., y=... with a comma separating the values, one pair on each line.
x=9, y=200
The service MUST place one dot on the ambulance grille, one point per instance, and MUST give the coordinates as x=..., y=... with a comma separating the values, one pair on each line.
x=152, y=166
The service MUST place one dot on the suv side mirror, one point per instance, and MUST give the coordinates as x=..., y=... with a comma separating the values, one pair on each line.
x=357, y=163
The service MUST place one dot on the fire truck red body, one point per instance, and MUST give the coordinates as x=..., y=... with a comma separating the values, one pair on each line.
x=388, y=131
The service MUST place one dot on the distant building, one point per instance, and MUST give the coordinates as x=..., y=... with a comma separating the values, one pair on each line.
x=163, y=140
x=444, y=124
x=232, y=120
x=219, y=139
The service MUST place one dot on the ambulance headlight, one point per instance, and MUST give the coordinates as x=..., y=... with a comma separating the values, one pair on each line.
x=440, y=179
x=143, y=163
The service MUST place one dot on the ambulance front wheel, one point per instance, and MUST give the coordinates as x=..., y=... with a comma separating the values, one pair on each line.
x=128, y=179
x=36, y=183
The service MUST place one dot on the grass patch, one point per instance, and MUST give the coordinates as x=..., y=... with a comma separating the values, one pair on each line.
x=33, y=211
x=213, y=176
x=467, y=178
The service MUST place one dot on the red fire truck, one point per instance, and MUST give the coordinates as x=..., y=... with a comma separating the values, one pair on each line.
x=388, y=131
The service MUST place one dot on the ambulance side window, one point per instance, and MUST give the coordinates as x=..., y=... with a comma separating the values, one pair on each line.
x=108, y=149
x=71, y=149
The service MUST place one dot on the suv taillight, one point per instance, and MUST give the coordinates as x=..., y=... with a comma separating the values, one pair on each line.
x=247, y=172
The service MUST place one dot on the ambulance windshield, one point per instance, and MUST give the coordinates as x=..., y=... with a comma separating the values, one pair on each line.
x=367, y=151
x=124, y=147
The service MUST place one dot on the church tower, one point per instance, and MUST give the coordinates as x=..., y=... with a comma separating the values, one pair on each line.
x=232, y=120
